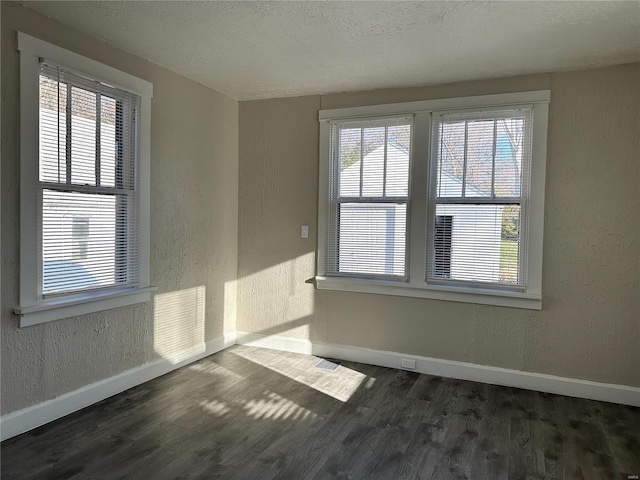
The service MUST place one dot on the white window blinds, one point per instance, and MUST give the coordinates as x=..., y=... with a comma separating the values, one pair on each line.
x=479, y=188
x=88, y=185
x=369, y=195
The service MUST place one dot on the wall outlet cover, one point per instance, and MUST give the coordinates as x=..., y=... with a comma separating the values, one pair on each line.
x=408, y=363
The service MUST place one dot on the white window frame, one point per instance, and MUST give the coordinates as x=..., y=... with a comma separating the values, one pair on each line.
x=416, y=284
x=33, y=308
x=335, y=198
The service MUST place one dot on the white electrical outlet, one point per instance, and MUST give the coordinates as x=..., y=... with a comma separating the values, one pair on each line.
x=408, y=364
x=304, y=231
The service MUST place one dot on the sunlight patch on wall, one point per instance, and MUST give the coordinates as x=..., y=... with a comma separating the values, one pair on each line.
x=178, y=323
x=230, y=305
x=284, y=297
x=301, y=331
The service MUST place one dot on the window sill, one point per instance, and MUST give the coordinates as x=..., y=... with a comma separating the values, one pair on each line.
x=59, y=308
x=436, y=292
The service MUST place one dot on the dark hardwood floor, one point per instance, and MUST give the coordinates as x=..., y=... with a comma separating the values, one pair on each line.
x=258, y=414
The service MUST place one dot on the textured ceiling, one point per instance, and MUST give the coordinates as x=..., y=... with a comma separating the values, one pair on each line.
x=250, y=50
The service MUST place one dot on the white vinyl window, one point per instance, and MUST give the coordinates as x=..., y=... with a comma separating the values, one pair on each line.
x=480, y=168
x=369, y=198
x=84, y=185
x=437, y=199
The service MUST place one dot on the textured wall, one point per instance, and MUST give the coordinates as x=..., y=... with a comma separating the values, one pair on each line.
x=194, y=168
x=589, y=327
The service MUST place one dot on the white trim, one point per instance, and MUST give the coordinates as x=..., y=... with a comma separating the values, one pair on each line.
x=421, y=212
x=605, y=392
x=323, y=198
x=417, y=212
x=32, y=307
x=31, y=417
x=66, y=307
x=29, y=206
x=501, y=99
x=21, y=421
x=32, y=46
x=502, y=298
x=535, y=208
x=144, y=186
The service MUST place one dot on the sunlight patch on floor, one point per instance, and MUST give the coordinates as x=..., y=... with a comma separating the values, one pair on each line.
x=276, y=407
x=340, y=383
x=219, y=409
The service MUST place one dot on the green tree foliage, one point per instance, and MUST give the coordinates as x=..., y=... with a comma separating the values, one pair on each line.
x=510, y=222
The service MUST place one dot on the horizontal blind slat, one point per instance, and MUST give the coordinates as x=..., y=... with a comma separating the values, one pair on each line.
x=481, y=164
x=369, y=194
x=88, y=180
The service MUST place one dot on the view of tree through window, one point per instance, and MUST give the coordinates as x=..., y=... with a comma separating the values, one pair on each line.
x=481, y=158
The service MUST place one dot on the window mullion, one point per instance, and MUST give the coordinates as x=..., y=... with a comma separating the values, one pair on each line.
x=361, y=157
x=384, y=165
x=68, y=130
x=419, y=175
x=493, y=159
x=58, y=125
x=464, y=162
x=98, y=146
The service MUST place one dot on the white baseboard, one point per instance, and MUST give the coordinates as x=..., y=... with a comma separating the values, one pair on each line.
x=571, y=387
x=28, y=418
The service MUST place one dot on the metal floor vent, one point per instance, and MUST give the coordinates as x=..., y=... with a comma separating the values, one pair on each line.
x=326, y=365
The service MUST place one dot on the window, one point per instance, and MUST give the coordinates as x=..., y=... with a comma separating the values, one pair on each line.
x=369, y=197
x=437, y=199
x=84, y=185
x=481, y=167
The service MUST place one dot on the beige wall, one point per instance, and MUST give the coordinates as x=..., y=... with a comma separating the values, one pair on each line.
x=589, y=327
x=194, y=168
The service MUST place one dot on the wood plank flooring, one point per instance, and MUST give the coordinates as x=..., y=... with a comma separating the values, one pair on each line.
x=258, y=414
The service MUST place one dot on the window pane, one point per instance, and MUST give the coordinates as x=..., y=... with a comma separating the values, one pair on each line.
x=479, y=158
x=349, y=161
x=108, y=145
x=509, y=151
x=451, y=164
x=372, y=238
x=82, y=243
x=484, y=154
x=83, y=136
x=53, y=130
x=398, y=148
x=373, y=161
x=376, y=158
x=509, y=244
x=476, y=243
